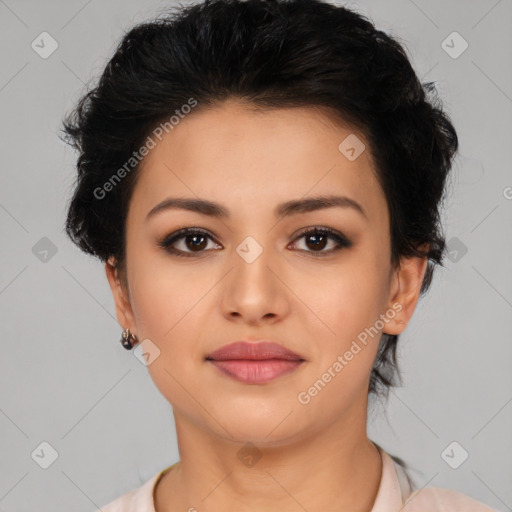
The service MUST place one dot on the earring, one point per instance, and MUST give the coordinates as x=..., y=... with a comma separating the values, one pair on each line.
x=128, y=339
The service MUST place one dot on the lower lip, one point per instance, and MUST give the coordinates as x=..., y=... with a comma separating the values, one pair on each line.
x=256, y=371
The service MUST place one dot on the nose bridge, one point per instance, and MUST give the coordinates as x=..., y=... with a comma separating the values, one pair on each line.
x=252, y=260
x=253, y=290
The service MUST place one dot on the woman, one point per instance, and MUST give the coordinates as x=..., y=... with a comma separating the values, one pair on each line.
x=262, y=180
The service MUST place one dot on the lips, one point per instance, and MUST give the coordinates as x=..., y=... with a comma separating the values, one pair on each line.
x=254, y=363
x=254, y=351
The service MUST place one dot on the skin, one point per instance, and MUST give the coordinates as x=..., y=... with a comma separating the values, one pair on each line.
x=315, y=455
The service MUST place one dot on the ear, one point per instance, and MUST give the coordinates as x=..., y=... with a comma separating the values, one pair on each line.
x=124, y=311
x=405, y=291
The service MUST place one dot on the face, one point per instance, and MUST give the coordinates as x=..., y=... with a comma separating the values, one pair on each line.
x=257, y=273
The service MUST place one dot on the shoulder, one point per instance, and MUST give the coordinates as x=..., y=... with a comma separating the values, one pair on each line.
x=123, y=503
x=397, y=492
x=139, y=499
x=431, y=499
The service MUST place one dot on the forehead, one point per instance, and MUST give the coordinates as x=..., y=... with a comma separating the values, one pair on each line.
x=242, y=156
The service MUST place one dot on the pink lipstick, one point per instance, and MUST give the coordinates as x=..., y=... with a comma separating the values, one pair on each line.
x=255, y=363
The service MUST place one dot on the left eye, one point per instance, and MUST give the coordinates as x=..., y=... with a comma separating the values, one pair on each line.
x=195, y=240
x=318, y=238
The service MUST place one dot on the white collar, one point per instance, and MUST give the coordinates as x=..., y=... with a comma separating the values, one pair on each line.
x=394, y=486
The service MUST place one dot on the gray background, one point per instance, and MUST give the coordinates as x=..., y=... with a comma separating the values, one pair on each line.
x=66, y=380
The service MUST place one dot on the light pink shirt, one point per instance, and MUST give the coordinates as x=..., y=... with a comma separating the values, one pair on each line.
x=394, y=495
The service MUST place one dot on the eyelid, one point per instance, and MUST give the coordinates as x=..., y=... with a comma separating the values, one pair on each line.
x=319, y=229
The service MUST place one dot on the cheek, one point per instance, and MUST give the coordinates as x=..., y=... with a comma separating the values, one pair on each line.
x=169, y=307
x=347, y=307
x=346, y=299
x=164, y=296
x=168, y=311
x=344, y=355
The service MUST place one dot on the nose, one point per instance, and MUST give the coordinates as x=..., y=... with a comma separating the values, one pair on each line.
x=255, y=292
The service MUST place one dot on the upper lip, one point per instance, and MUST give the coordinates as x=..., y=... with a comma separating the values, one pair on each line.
x=253, y=350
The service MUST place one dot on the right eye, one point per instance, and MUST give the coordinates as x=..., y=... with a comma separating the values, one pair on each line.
x=190, y=240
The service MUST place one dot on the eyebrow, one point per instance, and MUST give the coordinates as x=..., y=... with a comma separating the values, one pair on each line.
x=293, y=207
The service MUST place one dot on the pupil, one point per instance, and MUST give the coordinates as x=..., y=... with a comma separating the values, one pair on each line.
x=195, y=239
x=316, y=244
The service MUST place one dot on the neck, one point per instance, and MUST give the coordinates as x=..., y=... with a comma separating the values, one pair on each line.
x=338, y=470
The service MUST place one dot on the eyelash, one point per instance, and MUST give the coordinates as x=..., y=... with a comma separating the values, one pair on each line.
x=342, y=241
